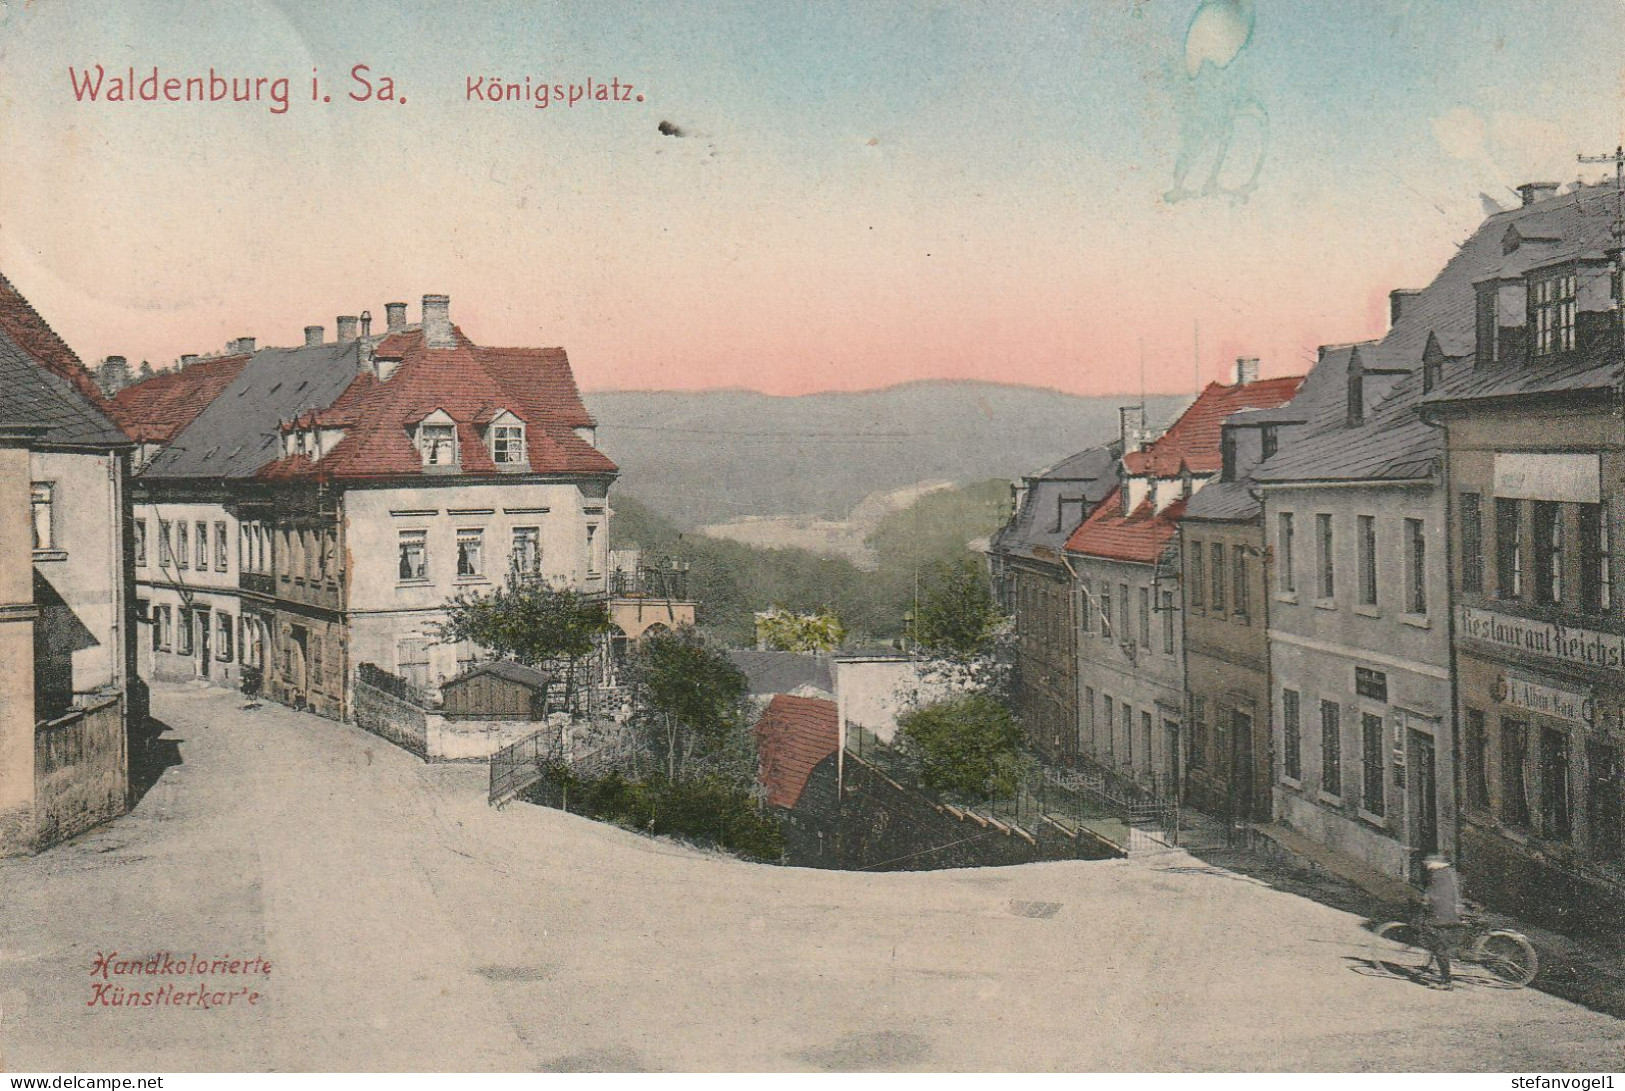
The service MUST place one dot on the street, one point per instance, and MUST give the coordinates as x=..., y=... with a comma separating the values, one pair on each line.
x=410, y=926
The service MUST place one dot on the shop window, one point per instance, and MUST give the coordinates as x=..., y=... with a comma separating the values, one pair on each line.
x=1291, y=735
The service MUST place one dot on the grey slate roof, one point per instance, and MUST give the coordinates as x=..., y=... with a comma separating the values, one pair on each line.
x=1088, y=475
x=1596, y=371
x=29, y=394
x=239, y=431
x=1392, y=444
x=771, y=672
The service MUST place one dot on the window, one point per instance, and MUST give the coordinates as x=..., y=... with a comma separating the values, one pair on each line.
x=1371, y=684
x=412, y=660
x=1368, y=559
x=1198, y=581
x=526, y=559
x=1285, y=577
x=1106, y=613
x=1216, y=571
x=1478, y=760
x=1514, y=754
x=1489, y=328
x=153, y=614
x=1145, y=738
x=43, y=497
x=1416, y=558
x=166, y=555
x=224, y=632
x=1198, y=754
x=1551, y=313
x=1292, y=735
x=1111, y=738
x=508, y=444
x=1128, y=735
x=438, y=444
x=470, y=547
x=202, y=542
x=1269, y=441
x=1122, y=613
x=1168, y=618
x=307, y=554
x=1239, y=591
x=1325, y=559
x=221, y=561
x=1554, y=784
x=324, y=554
x=1603, y=800
x=593, y=565
x=1372, y=763
x=141, y=543
x=1331, y=748
x=414, y=555
x=315, y=653
x=183, y=633
x=1596, y=565
x=1546, y=520
x=164, y=629
x=1472, y=542
x=1145, y=617
x=1089, y=711
x=183, y=549
x=1508, y=549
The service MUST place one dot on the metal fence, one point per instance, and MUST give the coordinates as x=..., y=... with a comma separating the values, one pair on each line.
x=1102, y=803
x=519, y=765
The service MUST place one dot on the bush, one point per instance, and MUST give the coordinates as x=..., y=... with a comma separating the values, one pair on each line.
x=708, y=812
x=967, y=746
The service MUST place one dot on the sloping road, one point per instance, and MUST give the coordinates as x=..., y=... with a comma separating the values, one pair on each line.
x=411, y=927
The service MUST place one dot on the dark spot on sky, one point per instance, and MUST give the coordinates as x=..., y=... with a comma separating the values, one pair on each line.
x=668, y=128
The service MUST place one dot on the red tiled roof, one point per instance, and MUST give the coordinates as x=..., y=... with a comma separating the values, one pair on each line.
x=794, y=735
x=1193, y=441
x=31, y=333
x=155, y=409
x=470, y=384
x=1191, y=444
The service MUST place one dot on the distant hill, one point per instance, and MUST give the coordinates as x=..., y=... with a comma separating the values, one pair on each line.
x=717, y=456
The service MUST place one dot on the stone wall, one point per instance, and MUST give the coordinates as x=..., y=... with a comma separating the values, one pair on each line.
x=80, y=771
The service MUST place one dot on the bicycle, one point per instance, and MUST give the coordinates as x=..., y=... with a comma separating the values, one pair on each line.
x=1507, y=954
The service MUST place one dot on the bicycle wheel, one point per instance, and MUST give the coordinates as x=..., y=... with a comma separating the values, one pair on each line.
x=1509, y=956
x=1397, y=947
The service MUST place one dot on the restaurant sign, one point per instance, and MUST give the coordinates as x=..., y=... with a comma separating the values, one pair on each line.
x=1576, y=706
x=1548, y=640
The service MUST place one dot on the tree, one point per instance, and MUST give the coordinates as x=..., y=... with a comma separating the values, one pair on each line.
x=786, y=631
x=965, y=745
x=532, y=622
x=688, y=705
x=956, y=616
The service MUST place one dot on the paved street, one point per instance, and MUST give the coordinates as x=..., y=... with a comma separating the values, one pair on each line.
x=409, y=926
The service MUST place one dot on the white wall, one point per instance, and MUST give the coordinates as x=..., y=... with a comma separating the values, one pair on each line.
x=872, y=692
x=86, y=566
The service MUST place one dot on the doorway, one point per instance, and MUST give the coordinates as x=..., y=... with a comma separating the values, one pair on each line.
x=202, y=618
x=1422, y=799
x=1241, y=765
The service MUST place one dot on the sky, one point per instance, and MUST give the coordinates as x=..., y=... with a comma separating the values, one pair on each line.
x=846, y=195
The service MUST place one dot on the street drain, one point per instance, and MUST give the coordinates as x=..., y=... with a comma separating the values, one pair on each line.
x=514, y=973
x=1040, y=910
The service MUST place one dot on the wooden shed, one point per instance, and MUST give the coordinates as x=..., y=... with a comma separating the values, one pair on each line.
x=501, y=690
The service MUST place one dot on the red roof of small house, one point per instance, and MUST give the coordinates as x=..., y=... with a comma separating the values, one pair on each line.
x=156, y=409
x=1192, y=444
x=26, y=329
x=794, y=735
x=471, y=385
x=1193, y=441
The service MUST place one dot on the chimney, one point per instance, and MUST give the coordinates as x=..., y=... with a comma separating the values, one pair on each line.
x=314, y=335
x=437, y=321
x=1131, y=427
x=1246, y=370
x=1535, y=192
x=366, y=323
x=1398, y=300
x=188, y=359
x=395, y=316
x=347, y=328
x=242, y=344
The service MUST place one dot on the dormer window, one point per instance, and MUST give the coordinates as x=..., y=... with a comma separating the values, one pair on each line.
x=1551, y=312
x=505, y=436
x=437, y=439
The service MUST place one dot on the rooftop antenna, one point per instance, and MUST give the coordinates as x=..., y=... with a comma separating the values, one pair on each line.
x=1618, y=226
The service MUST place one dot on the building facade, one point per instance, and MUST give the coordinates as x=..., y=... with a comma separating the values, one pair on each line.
x=314, y=508
x=1537, y=483
x=1126, y=559
x=1033, y=584
x=66, y=611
